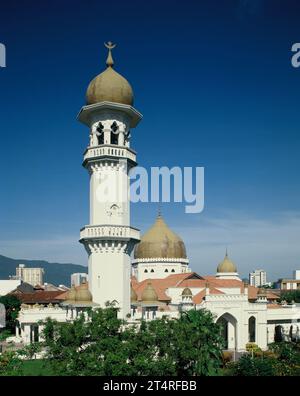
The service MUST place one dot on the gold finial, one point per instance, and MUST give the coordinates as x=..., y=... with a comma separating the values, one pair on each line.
x=109, y=61
x=159, y=210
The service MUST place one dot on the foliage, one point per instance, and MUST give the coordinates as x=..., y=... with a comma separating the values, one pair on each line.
x=36, y=367
x=254, y=366
x=4, y=333
x=105, y=345
x=290, y=296
x=252, y=347
x=287, y=357
x=12, y=306
x=10, y=364
x=282, y=359
x=30, y=351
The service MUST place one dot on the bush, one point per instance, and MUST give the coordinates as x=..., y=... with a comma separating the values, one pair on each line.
x=10, y=364
x=254, y=366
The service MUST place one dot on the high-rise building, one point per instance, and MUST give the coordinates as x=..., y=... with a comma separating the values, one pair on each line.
x=109, y=238
x=33, y=276
x=296, y=274
x=258, y=278
x=78, y=278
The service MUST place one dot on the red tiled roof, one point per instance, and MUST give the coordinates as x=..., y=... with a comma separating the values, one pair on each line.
x=158, y=287
x=193, y=280
x=192, y=283
x=40, y=297
x=197, y=299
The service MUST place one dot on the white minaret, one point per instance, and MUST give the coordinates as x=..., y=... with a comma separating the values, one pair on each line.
x=109, y=239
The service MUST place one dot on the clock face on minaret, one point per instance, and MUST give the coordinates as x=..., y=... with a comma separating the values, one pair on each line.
x=109, y=238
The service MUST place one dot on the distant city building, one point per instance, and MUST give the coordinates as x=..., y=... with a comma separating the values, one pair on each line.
x=78, y=278
x=258, y=278
x=296, y=274
x=33, y=276
x=288, y=284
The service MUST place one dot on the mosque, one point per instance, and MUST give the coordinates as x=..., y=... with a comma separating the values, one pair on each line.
x=148, y=277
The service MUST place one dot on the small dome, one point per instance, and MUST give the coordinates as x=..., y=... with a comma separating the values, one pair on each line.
x=160, y=242
x=109, y=85
x=149, y=294
x=71, y=295
x=187, y=292
x=226, y=265
x=83, y=294
x=133, y=295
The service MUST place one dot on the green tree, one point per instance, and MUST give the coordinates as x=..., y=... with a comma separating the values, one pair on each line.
x=105, y=345
x=287, y=357
x=10, y=364
x=12, y=306
x=290, y=296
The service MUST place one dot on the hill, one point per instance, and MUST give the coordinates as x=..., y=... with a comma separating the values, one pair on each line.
x=54, y=272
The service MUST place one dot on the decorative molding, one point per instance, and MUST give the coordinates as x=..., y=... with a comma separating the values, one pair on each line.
x=160, y=259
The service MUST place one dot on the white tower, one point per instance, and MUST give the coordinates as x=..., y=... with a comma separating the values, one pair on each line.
x=109, y=239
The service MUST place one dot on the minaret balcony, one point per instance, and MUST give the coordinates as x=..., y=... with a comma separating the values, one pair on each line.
x=108, y=232
x=109, y=151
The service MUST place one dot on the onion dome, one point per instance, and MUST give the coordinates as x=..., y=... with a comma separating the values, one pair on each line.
x=160, y=242
x=133, y=295
x=149, y=294
x=109, y=85
x=83, y=294
x=226, y=265
x=187, y=292
x=71, y=295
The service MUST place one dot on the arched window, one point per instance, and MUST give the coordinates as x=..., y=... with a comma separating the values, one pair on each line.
x=152, y=270
x=166, y=270
x=252, y=329
x=173, y=270
x=114, y=133
x=146, y=271
x=100, y=133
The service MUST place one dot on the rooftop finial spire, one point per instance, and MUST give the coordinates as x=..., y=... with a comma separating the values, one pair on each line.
x=109, y=61
x=159, y=210
x=226, y=254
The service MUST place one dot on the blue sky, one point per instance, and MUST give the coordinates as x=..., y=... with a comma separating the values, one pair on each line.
x=214, y=82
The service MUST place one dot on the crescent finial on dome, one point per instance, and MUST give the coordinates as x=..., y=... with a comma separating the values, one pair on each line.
x=109, y=61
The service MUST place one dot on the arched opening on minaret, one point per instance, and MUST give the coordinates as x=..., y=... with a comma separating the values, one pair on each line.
x=114, y=133
x=100, y=134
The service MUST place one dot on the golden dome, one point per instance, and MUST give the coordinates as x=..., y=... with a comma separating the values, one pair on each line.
x=149, y=294
x=133, y=295
x=187, y=292
x=83, y=294
x=160, y=242
x=226, y=265
x=109, y=85
x=71, y=295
